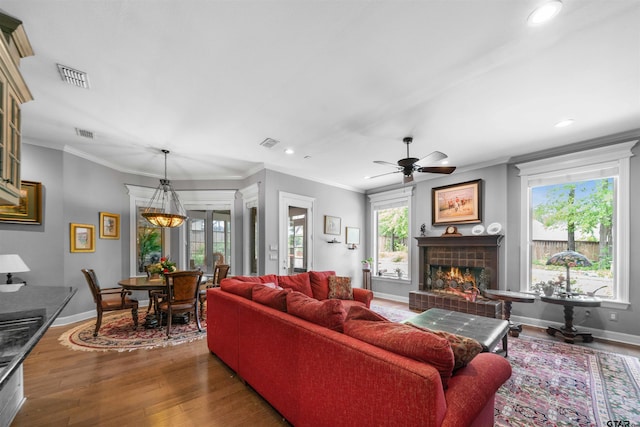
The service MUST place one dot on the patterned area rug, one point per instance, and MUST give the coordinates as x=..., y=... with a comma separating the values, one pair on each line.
x=117, y=334
x=559, y=384
x=393, y=314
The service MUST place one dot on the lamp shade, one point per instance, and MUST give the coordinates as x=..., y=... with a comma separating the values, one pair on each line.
x=165, y=209
x=12, y=263
x=569, y=259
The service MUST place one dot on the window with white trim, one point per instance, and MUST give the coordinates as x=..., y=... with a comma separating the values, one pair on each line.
x=390, y=225
x=579, y=202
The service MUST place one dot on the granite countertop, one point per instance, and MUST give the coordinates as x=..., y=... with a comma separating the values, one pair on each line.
x=42, y=303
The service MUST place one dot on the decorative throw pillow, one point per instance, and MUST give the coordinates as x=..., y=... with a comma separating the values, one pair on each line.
x=464, y=348
x=298, y=282
x=406, y=341
x=320, y=283
x=340, y=287
x=362, y=313
x=327, y=313
x=270, y=296
x=238, y=287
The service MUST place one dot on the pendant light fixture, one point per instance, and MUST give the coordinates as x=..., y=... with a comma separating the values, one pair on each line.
x=165, y=209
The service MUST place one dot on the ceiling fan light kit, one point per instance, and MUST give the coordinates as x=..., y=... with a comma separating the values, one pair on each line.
x=409, y=164
x=164, y=209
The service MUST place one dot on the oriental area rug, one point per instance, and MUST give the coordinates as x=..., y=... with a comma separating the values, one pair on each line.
x=559, y=384
x=117, y=334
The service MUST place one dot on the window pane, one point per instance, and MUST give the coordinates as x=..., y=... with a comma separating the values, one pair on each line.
x=577, y=216
x=149, y=244
x=197, y=244
x=391, y=242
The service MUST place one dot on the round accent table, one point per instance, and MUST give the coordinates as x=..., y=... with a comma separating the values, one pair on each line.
x=508, y=297
x=568, y=331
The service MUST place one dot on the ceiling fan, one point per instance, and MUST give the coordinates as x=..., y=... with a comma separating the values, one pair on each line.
x=409, y=165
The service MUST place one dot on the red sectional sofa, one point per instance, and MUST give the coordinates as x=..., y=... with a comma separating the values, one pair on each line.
x=317, y=376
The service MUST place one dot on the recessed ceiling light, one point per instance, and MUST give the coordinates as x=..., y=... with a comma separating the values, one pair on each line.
x=544, y=13
x=564, y=123
x=289, y=151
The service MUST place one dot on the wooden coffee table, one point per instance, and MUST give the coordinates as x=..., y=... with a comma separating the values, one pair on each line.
x=508, y=298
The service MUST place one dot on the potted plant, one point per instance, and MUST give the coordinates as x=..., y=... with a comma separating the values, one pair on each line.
x=366, y=263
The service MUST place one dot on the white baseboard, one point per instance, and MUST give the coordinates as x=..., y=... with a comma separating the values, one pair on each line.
x=67, y=320
x=597, y=333
x=391, y=297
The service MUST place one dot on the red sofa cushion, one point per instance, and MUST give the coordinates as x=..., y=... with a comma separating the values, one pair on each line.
x=238, y=287
x=464, y=348
x=358, y=312
x=407, y=341
x=267, y=278
x=328, y=313
x=320, y=283
x=340, y=287
x=297, y=282
x=271, y=297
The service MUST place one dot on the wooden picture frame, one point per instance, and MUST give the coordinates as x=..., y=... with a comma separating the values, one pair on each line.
x=332, y=225
x=109, y=225
x=352, y=235
x=82, y=237
x=29, y=208
x=457, y=204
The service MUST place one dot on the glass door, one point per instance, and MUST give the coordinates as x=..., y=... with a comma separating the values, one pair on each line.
x=209, y=239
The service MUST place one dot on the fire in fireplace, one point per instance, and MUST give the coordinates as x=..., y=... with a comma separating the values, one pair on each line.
x=461, y=278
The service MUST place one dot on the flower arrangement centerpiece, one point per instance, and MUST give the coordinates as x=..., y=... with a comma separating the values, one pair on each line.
x=164, y=266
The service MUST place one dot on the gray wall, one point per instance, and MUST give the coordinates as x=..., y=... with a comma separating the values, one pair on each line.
x=76, y=190
x=629, y=319
x=494, y=184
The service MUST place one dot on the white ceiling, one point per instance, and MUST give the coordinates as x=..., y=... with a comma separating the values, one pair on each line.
x=340, y=82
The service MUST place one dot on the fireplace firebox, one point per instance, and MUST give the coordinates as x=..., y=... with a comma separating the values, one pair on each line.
x=460, y=263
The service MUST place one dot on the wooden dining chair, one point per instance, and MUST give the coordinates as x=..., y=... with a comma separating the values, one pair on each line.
x=109, y=299
x=219, y=272
x=181, y=296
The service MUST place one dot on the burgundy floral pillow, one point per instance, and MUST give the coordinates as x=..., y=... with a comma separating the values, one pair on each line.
x=340, y=287
x=464, y=348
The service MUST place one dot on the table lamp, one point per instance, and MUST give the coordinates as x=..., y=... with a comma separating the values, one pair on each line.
x=569, y=259
x=12, y=263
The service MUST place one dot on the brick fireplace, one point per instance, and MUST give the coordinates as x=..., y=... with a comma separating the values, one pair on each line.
x=460, y=262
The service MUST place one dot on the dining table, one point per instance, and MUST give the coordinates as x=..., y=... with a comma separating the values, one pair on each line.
x=149, y=284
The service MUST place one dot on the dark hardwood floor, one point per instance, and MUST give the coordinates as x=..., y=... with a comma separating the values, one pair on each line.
x=173, y=386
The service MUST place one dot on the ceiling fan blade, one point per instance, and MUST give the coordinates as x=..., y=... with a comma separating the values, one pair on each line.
x=383, y=174
x=382, y=162
x=432, y=158
x=437, y=169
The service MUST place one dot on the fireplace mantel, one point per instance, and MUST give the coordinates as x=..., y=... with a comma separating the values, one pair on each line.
x=457, y=241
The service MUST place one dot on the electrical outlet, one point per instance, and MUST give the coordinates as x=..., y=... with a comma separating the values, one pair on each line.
x=613, y=316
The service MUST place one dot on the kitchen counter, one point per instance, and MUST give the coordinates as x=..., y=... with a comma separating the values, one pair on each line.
x=25, y=315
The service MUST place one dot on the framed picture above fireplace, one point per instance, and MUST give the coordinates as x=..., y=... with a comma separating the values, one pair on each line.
x=457, y=204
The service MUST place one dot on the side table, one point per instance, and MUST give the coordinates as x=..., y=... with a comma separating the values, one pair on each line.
x=508, y=298
x=568, y=331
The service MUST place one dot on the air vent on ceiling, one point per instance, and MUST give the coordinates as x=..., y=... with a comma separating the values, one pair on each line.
x=269, y=143
x=74, y=77
x=85, y=133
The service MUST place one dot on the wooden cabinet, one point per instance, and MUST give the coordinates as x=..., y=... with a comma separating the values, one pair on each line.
x=14, y=45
